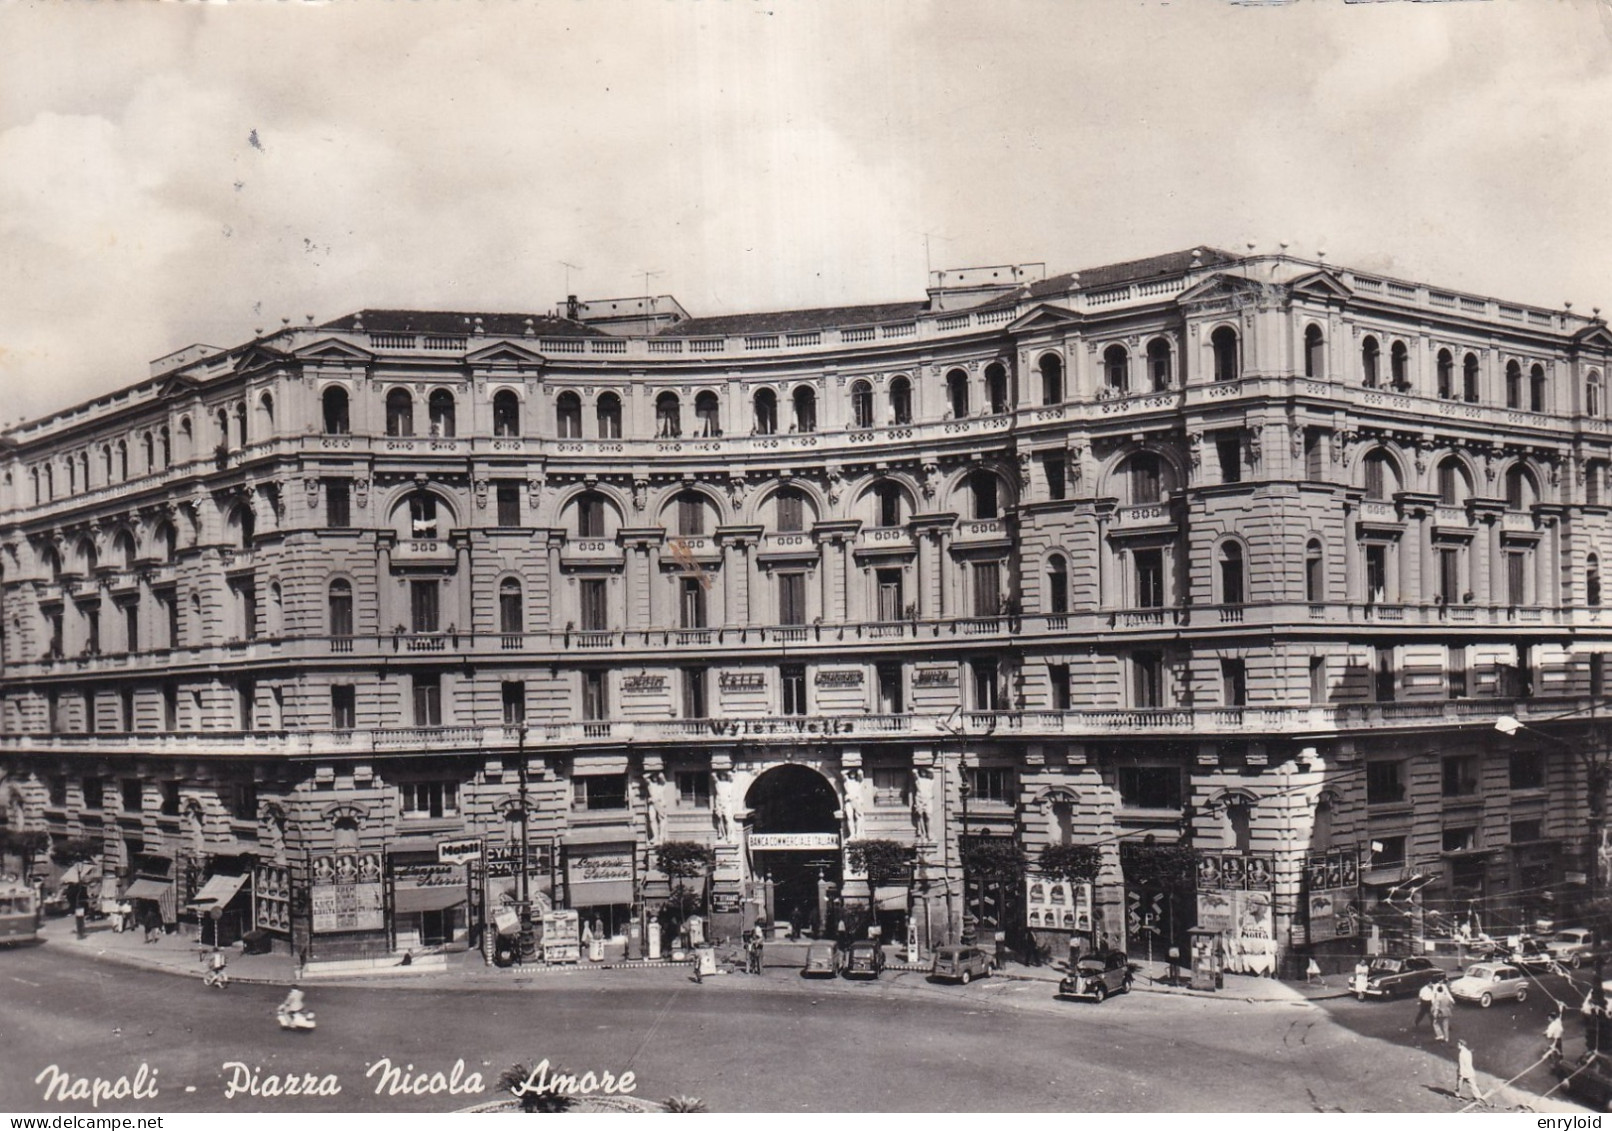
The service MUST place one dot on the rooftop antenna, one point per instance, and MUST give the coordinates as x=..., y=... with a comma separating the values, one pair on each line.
x=648, y=275
x=569, y=267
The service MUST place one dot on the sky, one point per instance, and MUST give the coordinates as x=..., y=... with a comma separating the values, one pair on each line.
x=177, y=173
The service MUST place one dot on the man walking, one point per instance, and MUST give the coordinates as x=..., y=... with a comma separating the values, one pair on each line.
x=1553, y=1037
x=1465, y=1073
x=1424, y=1004
x=1443, y=1006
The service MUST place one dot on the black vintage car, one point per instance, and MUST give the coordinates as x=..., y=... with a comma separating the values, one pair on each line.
x=1096, y=976
x=865, y=959
x=1398, y=977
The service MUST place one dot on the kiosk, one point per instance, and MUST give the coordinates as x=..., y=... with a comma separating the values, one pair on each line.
x=1207, y=959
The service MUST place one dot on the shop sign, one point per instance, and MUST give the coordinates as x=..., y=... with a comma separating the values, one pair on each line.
x=642, y=684
x=842, y=677
x=1057, y=905
x=505, y=862
x=601, y=869
x=742, y=681
x=935, y=677
x=770, y=842
x=458, y=851
x=427, y=875
x=725, y=903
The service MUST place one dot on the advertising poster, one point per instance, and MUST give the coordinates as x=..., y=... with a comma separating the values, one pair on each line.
x=1057, y=905
x=347, y=893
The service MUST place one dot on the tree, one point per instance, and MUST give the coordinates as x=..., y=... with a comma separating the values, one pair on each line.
x=999, y=861
x=1167, y=866
x=882, y=861
x=685, y=859
x=75, y=850
x=1074, y=863
x=26, y=843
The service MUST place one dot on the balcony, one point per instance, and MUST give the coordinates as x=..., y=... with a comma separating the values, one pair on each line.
x=1142, y=518
x=423, y=552
x=591, y=552
x=982, y=532
x=895, y=540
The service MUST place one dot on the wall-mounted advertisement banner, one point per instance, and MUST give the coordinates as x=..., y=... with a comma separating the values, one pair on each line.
x=458, y=851
x=271, y=898
x=347, y=893
x=1057, y=905
x=1235, y=871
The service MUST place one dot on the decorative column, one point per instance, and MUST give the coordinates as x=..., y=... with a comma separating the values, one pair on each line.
x=460, y=540
x=385, y=597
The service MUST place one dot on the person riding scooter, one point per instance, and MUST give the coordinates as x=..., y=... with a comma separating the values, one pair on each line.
x=292, y=1013
x=216, y=974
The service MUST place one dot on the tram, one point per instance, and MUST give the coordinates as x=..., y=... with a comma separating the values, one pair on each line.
x=19, y=912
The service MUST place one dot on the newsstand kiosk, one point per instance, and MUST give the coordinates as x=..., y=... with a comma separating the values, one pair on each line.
x=1207, y=959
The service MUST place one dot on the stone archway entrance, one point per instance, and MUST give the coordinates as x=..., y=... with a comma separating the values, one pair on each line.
x=794, y=842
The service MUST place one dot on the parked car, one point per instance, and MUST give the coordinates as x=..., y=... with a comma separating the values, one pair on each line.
x=1391, y=976
x=865, y=959
x=1489, y=982
x=960, y=964
x=1573, y=946
x=1589, y=1080
x=1096, y=976
x=1532, y=955
x=822, y=961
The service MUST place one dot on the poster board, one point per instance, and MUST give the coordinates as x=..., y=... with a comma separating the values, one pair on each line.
x=1057, y=905
x=562, y=937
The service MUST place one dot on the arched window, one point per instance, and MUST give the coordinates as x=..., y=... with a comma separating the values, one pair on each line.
x=766, y=410
x=805, y=399
x=1315, y=352
x=123, y=461
x=1522, y=491
x=789, y=511
x=1370, y=362
x=996, y=388
x=83, y=469
x=148, y=449
x=1159, y=365
x=900, y=401
x=165, y=446
x=887, y=502
x=1513, y=385
x=399, y=413
x=38, y=498
x=240, y=423
x=1469, y=378
x=708, y=412
x=607, y=414
x=88, y=559
x=440, y=407
x=1536, y=389
x=339, y=602
x=168, y=542
x=511, y=618
x=1117, y=370
x=1051, y=366
x=106, y=459
x=72, y=477
x=242, y=527
x=957, y=393
x=861, y=405
x=1231, y=574
x=1453, y=485
x=590, y=510
x=423, y=516
x=52, y=561
x=123, y=548
x=506, y=414
x=982, y=487
x=1381, y=477
x=1592, y=580
x=1592, y=393
x=1057, y=585
x=1446, y=375
x=50, y=482
x=668, y=416
x=338, y=421
x=568, y=416
x=690, y=514
x=266, y=403
x=1143, y=477
x=1399, y=365
x=1228, y=363
x=1314, y=575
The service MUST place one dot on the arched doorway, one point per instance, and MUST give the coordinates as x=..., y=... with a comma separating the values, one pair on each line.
x=795, y=843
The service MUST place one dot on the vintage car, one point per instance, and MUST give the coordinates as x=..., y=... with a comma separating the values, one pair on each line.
x=1573, y=946
x=960, y=964
x=1391, y=976
x=1489, y=982
x=822, y=961
x=865, y=959
x=1532, y=955
x=1096, y=976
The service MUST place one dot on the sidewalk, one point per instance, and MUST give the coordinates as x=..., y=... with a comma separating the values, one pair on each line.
x=1153, y=977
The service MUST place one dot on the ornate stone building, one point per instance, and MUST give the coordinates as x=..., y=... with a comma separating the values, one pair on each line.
x=1240, y=553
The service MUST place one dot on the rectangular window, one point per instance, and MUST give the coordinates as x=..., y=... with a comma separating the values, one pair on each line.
x=1150, y=787
x=168, y=602
x=1147, y=680
x=892, y=697
x=93, y=793
x=791, y=516
x=343, y=706
x=1527, y=769
x=245, y=607
x=593, y=594
x=1385, y=783
x=170, y=708
x=1461, y=775
x=1229, y=452
x=987, y=693
x=992, y=783
x=338, y=504
x=243, y=800
x=1517, y=577
x=427, y=799
x=690, y=516
x=1390, y=854
x=133, y=795
x=890, y=603
x=246, y=704
x=1234, y=683
x=92, y=630
x=1149, y=566
x=424, y=615
x=987, y=589
x=1376, y=573
x=126, y=708
x=590, y=517
x=1056, y=486
x=54, y=617
x=889, y=787
x=791, y=598
x=1597, y=674
x=1455, y=672
x=514, y=702
x=694, y=702
x=131, y=627
x=92, y=721
x=1462, y=839
x=1383, y=675
x=1522, y=832
x=427, y=700
x=1312, y=454
x=170, y=798
x=1376, y=485
x=1449, y=575
x=691, y=602
x=1058, y=683
x=1318, y=680
x=595, y=695
x=599, y=791
x=792, y=681
x=509, y=503
x=694, y=789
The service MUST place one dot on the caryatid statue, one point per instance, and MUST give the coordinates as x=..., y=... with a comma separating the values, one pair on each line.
x=722, y=806
x=923, y=802
x=852, y=806
x=655, y=805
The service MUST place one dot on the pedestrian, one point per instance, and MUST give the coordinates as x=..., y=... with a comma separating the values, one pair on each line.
x=78, y=920
x=1443, y=1006
x=1424, y=1004
x=756, y=954
x=1465, y=1073
x=1312, y=973
x=126, y=916
x=1362, y=976
x=1553, y=1037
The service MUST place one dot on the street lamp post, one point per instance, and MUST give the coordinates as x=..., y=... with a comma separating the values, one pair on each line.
x=1597, y=773
x=963, y=790
x=526, y=848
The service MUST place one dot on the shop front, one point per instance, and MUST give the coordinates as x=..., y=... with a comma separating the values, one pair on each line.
x=431, y=902
x=81, y=886
x=600, y=876
x=223, y=908
x=151, y=892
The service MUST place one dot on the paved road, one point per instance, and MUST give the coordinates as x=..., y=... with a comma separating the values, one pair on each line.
x=776, y=1044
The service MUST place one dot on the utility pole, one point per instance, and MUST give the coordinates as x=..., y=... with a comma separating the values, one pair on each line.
x=528, y=948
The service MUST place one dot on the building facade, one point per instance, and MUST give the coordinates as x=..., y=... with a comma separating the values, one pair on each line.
x=1222, y=566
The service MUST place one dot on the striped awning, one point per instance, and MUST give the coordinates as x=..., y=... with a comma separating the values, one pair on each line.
x=148, y=889
x=217, y=892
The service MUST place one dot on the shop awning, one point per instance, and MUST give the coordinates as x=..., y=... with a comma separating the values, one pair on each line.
x=599, y=893
x=147, y=889
x=412, y=901
x=84, y=872
x=603, y=834
x=217, y=892
x=890, y=897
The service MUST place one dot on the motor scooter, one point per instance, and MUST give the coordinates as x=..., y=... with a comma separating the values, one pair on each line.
x=216, y=977
x=301, y=1019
